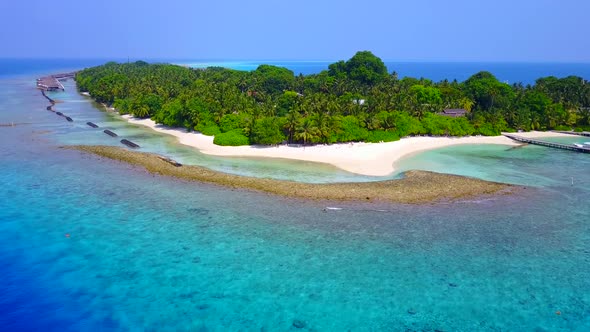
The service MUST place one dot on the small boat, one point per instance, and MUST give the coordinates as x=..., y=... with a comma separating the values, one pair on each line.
x=585, y=145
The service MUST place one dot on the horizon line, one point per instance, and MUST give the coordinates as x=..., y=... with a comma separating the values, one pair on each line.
x=172, y=59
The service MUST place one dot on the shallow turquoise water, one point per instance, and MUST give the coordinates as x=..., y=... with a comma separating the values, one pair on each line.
x=153, y=253
x=529, y=165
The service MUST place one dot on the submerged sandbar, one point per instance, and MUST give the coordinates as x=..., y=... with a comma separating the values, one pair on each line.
x=415, y=187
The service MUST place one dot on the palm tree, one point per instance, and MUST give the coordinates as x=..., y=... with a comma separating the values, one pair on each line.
x=466, y=104
x=217, y=115
x=333, y=107
x=321, y=120
x=306, y=130
x=389, y=121
x=584, y=115
x=141, y=111
x=293, y=118
x=316, y=103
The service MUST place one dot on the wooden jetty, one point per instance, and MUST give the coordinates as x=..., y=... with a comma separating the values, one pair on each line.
x=52, y=82
x=49, y=83
x=583, y=133
x=569, y=147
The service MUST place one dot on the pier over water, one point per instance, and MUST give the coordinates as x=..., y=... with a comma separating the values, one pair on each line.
x=581, y=133
x=52, y=82
x=569, y=147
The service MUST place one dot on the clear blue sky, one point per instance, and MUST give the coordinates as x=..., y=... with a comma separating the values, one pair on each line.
x=417, y=30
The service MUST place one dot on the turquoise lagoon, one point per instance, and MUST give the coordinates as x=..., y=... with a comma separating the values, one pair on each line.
x=89, y=244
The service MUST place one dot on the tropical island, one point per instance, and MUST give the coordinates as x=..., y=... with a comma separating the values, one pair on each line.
x=353, y=101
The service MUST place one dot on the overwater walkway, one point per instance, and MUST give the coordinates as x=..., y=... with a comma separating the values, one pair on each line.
x=554, y=145
x=52, y=82
x=583, y=133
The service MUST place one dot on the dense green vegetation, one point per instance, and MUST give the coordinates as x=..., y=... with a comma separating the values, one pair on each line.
x=354, y=100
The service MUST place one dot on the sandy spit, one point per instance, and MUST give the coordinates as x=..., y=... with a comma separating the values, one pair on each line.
x=373, y=159
x=415, y=188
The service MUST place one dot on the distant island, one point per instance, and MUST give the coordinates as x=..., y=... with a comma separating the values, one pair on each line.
x=353, y=101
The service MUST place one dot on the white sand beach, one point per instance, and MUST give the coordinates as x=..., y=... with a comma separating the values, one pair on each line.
x=373, y=159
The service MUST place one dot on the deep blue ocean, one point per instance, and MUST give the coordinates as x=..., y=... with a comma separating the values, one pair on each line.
x=526, y=73
x=88, y=244
x=508, y=72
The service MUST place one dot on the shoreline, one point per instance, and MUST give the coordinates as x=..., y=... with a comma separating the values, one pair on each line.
x=416, y=187
x=371, y=159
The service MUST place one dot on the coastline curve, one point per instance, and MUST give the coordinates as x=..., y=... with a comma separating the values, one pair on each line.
x=416, y=187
